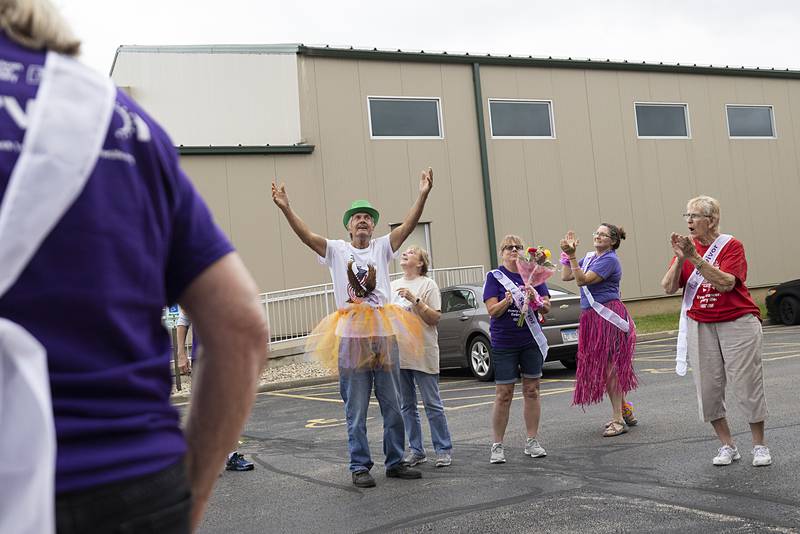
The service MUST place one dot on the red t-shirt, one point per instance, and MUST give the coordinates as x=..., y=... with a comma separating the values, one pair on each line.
x=711, y=306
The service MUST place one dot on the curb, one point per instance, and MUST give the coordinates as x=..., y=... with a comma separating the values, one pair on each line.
x=272, y=386
x=317, y=380
x=654, y=336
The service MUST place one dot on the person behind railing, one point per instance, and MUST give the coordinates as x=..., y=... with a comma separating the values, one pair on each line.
x=110, y=230
x=515, y=349
x=419, y=293
x=362, y=338
x=720, y=327
x=235, y=461
x=607, y=335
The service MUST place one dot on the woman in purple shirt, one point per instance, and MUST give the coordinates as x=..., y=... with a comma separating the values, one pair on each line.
x=607, y=333
x=515, y=351
x=135, y=238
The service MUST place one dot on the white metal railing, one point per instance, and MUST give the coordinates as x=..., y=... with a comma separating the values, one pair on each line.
x=293, y=313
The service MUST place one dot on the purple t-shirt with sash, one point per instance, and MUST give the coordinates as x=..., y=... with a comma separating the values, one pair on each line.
x=503, y=330
x=135, y=238
x=609, y=267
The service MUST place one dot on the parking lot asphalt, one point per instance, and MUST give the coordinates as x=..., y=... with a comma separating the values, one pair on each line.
x=657, y=478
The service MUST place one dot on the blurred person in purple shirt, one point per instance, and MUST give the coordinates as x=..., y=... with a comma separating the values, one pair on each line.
x=136, y=238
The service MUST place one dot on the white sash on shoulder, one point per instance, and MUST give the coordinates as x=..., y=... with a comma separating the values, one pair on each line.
x=530, y=317
x=603, y=311
x=689, y=293
x=68, y=125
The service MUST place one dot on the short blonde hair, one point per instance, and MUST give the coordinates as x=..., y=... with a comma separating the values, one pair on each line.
x=423, y=255
x=37, y=24
x=510, y=239
x=709, y=206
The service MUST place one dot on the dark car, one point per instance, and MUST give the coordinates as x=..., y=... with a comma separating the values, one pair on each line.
x=783, y=303
x=464, y=329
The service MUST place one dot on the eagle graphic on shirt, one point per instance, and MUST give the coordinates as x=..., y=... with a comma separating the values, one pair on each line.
x=361, y=283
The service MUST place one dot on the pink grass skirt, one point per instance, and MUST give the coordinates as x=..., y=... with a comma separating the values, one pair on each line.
x=604, y=351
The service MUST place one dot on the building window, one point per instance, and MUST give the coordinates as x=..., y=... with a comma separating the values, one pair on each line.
x=662, y=121
x=750, y=121
x=521, y=119
x=404, y=117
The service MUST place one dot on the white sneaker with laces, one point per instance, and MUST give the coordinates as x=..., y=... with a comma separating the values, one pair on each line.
x=443, y=459
x=761, y=456
x=498, y=455
x=411, y=458
x=726, y=455
x=533, y=449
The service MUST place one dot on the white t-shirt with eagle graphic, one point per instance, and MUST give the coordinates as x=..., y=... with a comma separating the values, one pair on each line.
x=378, y=255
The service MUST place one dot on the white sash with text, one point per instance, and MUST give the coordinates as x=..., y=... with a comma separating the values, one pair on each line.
x=689, y=293
x=530, y=317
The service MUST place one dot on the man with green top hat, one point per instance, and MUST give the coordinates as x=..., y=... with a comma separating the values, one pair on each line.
x=363, y=336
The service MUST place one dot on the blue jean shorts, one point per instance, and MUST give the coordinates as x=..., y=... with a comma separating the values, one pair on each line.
x=509, y=363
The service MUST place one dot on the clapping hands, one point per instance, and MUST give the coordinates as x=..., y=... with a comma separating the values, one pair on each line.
x=682, y=246
x=570, y=243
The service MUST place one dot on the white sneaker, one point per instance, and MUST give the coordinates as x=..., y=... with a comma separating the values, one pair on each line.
x=443, y=459
x=498, y=455
x=761, y=456
x=726, y=455
x=533, y=449
x=412, y=458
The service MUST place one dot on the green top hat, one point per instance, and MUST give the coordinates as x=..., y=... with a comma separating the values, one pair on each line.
x=361, y=206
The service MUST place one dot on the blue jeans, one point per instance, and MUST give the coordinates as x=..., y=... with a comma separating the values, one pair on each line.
x=434, y=409
x=355, y=386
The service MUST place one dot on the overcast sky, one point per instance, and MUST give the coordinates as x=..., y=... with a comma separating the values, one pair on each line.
x=718, y=32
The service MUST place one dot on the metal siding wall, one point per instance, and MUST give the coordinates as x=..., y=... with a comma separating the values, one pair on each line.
x=758, y=222
x=595, y=170
x=216, y=99
x=468, y=238
x=614, y=187
x=426, y=80
x=784, y=153
x=541, y=159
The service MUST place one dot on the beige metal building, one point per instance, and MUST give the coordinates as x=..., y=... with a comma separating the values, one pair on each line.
x=520, y=145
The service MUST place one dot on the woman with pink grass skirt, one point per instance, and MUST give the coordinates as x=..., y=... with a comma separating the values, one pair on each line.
x=607, y=333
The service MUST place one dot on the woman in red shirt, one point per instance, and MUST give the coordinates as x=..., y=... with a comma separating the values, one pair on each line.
x=720, y=326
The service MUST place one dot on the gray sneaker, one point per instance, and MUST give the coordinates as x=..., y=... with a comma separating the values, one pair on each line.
x=443, y=459
x=412, y=458
x=533, y=449
x=498, y=455
x=761, y=456
x=726, y=455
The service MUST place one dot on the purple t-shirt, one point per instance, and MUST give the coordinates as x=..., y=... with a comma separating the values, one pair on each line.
x=134, y=239
x=503, y=330
x=609, y=267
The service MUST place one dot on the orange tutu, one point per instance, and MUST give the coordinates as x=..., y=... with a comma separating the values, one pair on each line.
x=362, y=336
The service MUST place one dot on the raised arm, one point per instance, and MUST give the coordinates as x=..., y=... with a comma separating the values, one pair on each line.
x=572, y=271
x=223, y=304
x=401, y=233
x=315, y=242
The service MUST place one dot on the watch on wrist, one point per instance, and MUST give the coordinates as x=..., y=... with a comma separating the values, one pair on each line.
x=417, y=301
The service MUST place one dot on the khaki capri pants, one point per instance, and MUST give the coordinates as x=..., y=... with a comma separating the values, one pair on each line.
x=725, y=353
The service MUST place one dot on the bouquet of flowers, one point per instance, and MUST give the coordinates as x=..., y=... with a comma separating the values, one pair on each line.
x=535, y=267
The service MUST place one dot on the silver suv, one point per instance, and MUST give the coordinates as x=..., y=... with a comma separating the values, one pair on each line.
x=464, y=329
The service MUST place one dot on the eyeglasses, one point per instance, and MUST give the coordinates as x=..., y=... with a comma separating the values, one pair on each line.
x=693, y=216
x=513, y=247
x=600, y=234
